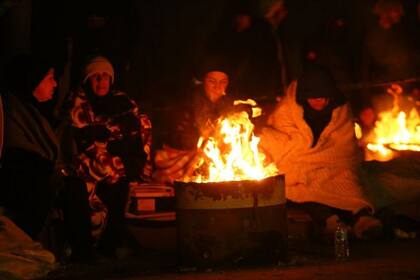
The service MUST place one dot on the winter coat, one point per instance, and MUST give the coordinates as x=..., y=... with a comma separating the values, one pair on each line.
x=26, y=129
x=114, y=139
x=196, y=119
x=28, y=164
x=327, y=173
x=118, y=131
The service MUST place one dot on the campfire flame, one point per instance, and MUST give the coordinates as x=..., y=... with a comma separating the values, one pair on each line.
x=395, y=130
x=231, y=152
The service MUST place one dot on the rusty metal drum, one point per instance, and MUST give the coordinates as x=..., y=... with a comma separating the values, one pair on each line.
x=231, y=223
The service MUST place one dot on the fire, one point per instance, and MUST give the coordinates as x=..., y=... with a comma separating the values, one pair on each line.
x=231, y=152
x=358, y=131
x=395, y=130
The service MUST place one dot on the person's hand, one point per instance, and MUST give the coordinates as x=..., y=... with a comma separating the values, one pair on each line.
x=99, y=132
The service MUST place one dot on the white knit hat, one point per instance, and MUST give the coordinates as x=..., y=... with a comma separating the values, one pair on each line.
x=98, y=64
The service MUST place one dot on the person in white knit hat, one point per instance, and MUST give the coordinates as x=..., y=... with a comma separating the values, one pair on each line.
x=99, y=65
x=113, y=139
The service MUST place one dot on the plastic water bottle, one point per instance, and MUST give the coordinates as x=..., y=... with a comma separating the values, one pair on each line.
x=341, y=242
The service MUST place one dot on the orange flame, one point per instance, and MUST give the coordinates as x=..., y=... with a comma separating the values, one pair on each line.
x=394, y=130
x=231, y=153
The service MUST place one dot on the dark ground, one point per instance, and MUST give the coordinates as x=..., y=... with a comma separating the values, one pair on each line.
x=388, y=258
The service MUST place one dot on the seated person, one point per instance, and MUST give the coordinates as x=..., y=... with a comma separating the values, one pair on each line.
x=113, y=139
x=209, y=102
x=32, y=177
x=311, y=139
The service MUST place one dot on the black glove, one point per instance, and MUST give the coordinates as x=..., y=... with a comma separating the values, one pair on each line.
x=87, y=135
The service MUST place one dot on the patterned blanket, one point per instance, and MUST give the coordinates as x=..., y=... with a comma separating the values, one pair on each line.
x=172, y=164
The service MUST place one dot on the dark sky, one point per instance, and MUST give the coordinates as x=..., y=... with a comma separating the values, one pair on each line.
x=160, y=39
x=155, y=45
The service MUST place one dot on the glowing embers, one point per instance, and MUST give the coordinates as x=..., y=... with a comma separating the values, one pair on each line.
x=230, y=152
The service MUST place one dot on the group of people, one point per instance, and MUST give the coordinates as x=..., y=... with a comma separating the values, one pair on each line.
x=309, y=135
x=81, y=167
x=84, y=166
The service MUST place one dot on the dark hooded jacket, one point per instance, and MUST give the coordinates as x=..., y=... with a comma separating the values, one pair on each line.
x=30, y=146
x=317, y=82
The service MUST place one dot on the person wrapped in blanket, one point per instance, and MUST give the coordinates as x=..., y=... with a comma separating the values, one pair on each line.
x=209, y=102
x=113, y=138
x=310, y=136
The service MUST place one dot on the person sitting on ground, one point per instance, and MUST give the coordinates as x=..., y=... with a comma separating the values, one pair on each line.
x=32, y=176
x=311, y=139
x=113, y=138
x=210, y=99
x=209, y=102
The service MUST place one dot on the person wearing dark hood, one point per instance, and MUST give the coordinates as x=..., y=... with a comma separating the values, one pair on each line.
x=311, y=139
x=208, y=100
x=113, y=138
x=31, y=171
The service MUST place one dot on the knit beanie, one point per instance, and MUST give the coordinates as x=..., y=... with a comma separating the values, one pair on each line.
x=98, y=65
x=213, y=63
x=316, y=82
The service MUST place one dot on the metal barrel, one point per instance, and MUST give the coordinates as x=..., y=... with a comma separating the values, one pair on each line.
x=231, y=223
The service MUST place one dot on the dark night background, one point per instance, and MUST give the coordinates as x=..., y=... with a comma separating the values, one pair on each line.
x=156, y=45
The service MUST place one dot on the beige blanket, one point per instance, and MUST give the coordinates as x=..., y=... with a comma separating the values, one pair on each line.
x=172, y=164
x=327, y=173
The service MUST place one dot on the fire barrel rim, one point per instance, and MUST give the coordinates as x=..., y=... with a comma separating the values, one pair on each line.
x=231, y=223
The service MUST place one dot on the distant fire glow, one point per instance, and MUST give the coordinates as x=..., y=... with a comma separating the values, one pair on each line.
x=395, y=130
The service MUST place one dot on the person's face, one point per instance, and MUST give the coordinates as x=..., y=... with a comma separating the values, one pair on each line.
x=319, y=103
x=215, y=84
x=45, y=89
x=100, y=83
